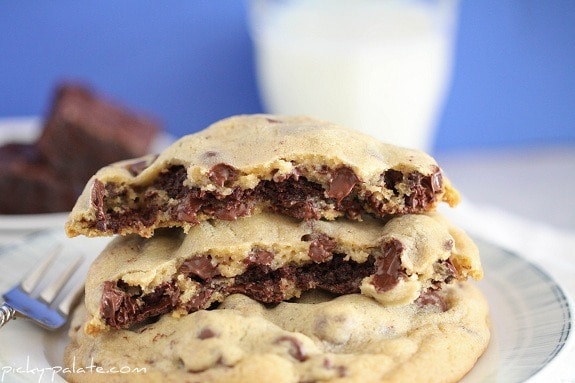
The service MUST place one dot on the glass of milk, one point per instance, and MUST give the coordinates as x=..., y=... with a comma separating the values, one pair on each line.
x=379, y=66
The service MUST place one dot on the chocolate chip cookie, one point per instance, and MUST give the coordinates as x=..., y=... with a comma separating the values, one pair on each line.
x=272, y=258
x=295, y=166
x=350, y=338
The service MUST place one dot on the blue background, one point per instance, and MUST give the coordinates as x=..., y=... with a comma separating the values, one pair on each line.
x=190, y=63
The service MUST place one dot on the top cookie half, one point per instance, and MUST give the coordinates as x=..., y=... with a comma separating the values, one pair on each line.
x=297, y=166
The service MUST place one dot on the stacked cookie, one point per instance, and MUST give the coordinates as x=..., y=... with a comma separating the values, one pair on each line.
x=269, y=248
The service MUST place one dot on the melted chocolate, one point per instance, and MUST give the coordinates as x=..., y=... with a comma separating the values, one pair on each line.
x=341, y=184
x=221, y=174
x=320, y=248
x=260, y=257
x=123, y=306
x=121, y=309
x=388, y=266
x=97, y=198
x=293, y=195
x=199, y=266
x=298, y=198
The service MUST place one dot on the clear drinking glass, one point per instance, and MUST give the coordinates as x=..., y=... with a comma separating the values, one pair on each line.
x=380, y=66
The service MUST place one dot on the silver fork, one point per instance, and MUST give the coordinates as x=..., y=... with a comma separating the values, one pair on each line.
x=44, y=307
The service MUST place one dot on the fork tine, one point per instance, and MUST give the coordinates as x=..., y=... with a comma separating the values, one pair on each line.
x=52, y=290
x=35, y=276
x=41, y=307
x=69, y=300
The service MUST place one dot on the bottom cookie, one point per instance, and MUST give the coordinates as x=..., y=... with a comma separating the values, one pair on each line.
x=319, y=338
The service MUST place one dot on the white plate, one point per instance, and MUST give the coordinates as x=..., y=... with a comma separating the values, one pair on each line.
x=531, y=316
x=27, y=129
x=28, y=353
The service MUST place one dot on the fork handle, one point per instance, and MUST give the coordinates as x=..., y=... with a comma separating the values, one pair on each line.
x=6, y=314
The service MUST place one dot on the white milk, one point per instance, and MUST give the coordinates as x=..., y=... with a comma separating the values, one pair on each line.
x=381, y=67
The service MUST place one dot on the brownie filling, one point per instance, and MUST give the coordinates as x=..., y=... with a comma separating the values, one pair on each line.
x=123, y=306
x=293, y=195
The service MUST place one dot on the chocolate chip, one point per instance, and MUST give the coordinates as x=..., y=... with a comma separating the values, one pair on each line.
x=121, y=309
x=449, y=270
x=200, y=266
x=111, y=305
x=97, y=200
x=295, y=173
x=200, y=300
x=341, y=184
x=423, y=189
x=391, y=178
x=261, y=283
x=296, y=198
x=187, y=210
x=321, y=247
x=450, y=265
x=296, y=349
x=164, y=297
x=260, y=257
x=137, y=167
x=222, y=174
x=388, y=267
x=430, y=297
x=417, y=197
x=233, y=209
x=207, y=333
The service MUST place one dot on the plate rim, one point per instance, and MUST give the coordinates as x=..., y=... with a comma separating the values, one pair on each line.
x=563, y=300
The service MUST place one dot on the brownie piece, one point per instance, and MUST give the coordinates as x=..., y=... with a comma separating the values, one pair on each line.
x=29, y=185
x=81, y=133
x=84, y=131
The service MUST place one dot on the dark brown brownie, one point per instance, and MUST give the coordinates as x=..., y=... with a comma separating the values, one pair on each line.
x=82, y=132
x=29, y=185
